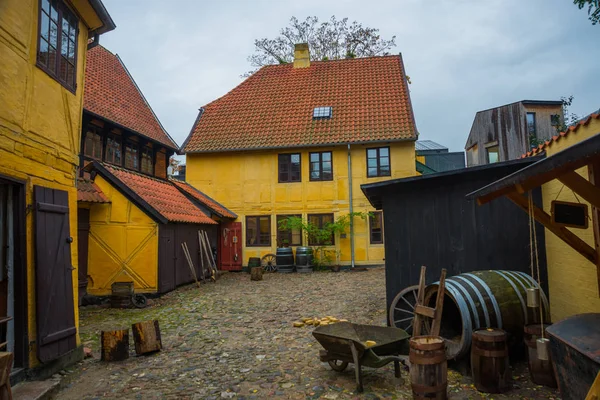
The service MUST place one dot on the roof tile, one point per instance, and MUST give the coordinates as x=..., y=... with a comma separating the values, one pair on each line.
x=88, y=191
x=111, y=93
x=273, y=108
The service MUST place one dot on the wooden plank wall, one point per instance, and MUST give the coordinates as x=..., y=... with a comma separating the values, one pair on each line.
x=430, y=222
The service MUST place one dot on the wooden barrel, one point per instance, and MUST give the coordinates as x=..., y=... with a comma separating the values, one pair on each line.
x=284, y=257
x=485, y=299
x=304, y=259
x=253, y=262
x=428, y=367
x=489, y=360
x=121, y=294
x=541, y=371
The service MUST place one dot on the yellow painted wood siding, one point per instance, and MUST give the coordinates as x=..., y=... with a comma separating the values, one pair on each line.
x=40, y=124
x=247, y=183
x=572, y=279
x=123, y=245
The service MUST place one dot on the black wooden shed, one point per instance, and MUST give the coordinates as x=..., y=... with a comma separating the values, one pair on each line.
x=429, y=221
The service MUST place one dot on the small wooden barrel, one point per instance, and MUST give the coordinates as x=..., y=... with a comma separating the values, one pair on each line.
x=489, y=360
x=115, y=345
x=541, y=371
x=428, y=367
x=253, y=262
x=121, y=293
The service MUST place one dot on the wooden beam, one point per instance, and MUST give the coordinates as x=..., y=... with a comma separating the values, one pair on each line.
x=594, y=175
x=582, y=187
x=563, y=233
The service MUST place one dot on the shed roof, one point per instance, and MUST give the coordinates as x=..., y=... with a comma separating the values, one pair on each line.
x=89, y=192
x=197, y=195
x=273, y=108
x=423, y=145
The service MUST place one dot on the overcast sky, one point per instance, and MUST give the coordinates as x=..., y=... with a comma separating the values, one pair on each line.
x=462, y=55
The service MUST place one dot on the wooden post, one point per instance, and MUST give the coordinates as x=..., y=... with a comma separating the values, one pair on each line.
x=256, y=274
x=186, y=251
x=6, y=361
x=115, y=345
x=594, y=175
x=146, y=336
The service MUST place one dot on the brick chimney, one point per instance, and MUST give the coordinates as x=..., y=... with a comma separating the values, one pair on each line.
x=301, y=55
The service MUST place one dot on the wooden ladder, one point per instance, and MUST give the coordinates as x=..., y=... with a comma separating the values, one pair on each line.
x=422, y=311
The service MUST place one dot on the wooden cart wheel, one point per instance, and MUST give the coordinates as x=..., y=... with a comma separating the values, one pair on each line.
x=268, y=262
x=338, y=365
x=402, y=309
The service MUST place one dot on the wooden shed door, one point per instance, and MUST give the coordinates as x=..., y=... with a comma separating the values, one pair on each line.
x=55, y=314
x=230, y=246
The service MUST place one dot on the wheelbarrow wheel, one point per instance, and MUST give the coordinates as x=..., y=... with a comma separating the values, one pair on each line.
x=338, y=365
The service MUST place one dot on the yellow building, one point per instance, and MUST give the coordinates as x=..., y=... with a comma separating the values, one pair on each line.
x=42, y=60
x=568, y=176
x=299, y=140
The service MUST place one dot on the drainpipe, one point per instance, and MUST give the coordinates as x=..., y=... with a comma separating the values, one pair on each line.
x=351, y=207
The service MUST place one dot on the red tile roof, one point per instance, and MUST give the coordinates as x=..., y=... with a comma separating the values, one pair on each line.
x=273, y=108
x=161, y=195
x=88, y=191
x=203, y=199
x=556, y=138
x=111, y=93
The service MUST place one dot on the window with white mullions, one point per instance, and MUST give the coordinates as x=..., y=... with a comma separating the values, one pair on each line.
x=378, y=162
x=321, y=166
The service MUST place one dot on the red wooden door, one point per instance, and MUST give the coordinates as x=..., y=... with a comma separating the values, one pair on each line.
x=55, y=314
x=230, y=246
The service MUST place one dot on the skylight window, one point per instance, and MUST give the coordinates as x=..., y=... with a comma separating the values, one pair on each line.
x=322, y=113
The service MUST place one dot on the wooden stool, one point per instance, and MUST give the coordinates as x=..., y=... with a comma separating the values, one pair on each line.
x=422, y=311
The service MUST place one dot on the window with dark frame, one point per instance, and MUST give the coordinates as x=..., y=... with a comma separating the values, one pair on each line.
x=289, y=168
x=113, y=150
x=93, y=143
x=57, y=42
x=555, y=120
x=531, y=125
x=131, y=156
x=258, y=231
x=146, y=166
x=320, y=221
x=378, y=162
x=321, y=166
x=376, y=227
x=293, y=237
x=492, y=154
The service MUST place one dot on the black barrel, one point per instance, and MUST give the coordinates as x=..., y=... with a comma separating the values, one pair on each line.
x=304, y=259
x=285, y=260
x=253, y=262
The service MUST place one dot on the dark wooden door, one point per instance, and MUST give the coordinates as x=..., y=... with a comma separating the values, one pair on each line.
x=166, y=259
x=55, y=314
x=83, y=231
x=230, y=246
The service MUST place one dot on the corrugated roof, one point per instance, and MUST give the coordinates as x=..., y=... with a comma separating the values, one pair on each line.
x=161, y=195
x=111, y=93
x=215, y=206
x=89, y=192
x=556, y=138
x=422, y=145
x=274, y=107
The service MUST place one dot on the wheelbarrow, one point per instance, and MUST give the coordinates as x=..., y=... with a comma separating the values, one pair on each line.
x=345, y=343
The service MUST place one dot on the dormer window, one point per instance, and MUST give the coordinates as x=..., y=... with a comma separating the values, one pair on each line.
x=322, y=113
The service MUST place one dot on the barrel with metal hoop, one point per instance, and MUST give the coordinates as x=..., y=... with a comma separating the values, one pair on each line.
x=485, y=299
x=285, y=260
x=489, y=360
x=428, y=368
x=304, y=259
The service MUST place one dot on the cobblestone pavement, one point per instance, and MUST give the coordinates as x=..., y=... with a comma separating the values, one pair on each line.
x=235, y=339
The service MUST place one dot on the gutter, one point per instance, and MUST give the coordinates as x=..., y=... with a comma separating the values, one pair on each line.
x=107, y=22
x=351, y=207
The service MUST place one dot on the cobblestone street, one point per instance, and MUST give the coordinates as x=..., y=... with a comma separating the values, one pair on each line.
x=235, y=339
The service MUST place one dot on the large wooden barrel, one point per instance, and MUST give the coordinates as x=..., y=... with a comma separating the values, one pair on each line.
x=541, y=371
x=304, y=259
x=253, y=262
x=485, y=299
x=428, y=367
x=284, y=257
x=121, y=294
x=489, y=360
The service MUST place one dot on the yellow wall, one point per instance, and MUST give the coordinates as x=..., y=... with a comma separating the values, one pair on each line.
x=123, y=245
x=572, y=279
x=247, y=183
x=39, y=124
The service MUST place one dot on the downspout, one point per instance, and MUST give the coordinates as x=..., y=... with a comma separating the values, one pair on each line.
x=351, y=207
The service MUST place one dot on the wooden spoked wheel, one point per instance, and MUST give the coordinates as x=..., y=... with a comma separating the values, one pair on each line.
x=268, y=262
x=402, y=309
x=338, y=365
